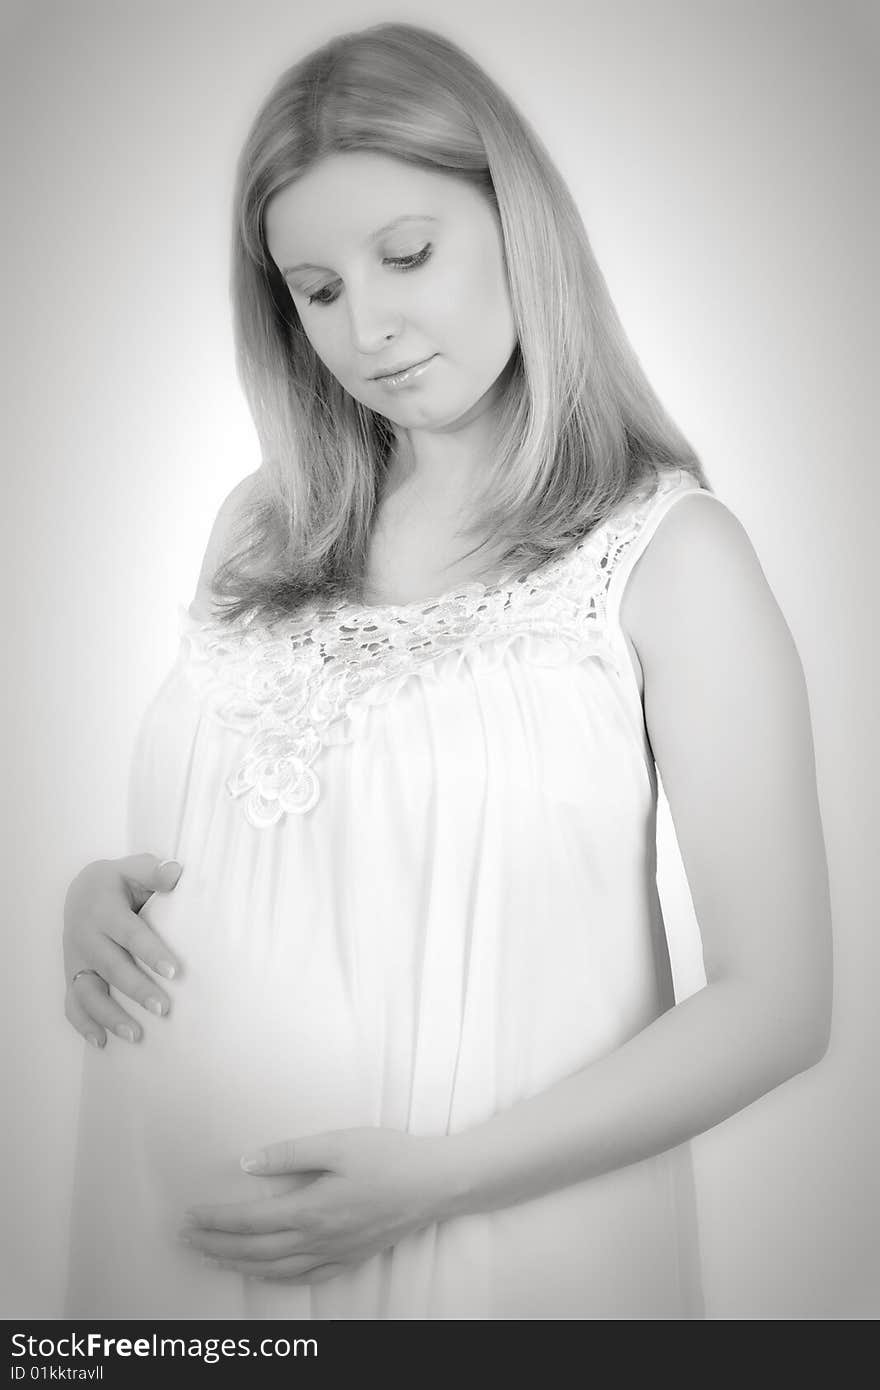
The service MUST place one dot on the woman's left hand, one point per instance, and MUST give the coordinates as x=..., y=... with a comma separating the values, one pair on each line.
x=375, y=1186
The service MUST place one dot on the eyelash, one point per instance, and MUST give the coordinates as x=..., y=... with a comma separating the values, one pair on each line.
x=401, y=262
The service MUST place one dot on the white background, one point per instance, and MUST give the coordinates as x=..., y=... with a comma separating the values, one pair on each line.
x=720, y=154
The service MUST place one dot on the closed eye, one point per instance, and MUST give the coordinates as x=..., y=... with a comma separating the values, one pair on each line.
x=410, y=262
x=399, y=263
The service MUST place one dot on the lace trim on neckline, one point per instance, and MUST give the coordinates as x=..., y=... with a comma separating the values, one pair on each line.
x=304, y=682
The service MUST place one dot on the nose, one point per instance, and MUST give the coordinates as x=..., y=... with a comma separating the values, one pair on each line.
x=373, y=317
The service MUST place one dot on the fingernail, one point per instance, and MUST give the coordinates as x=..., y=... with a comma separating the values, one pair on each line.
x=94, y=1040
x=165, y=969
x=254, y=1164
x=123, y=1031
x=171, y=864
x=154, y=1005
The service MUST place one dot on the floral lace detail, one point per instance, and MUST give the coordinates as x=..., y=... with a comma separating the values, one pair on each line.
x=295, y=686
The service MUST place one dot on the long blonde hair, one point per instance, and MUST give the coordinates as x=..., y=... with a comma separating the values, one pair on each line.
x=579, y=427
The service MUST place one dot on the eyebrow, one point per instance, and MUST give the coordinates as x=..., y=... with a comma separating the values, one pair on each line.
x=374, y=236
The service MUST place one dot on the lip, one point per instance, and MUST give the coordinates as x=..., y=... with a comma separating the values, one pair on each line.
x=402, y=371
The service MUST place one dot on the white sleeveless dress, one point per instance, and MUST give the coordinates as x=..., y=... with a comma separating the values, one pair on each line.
x=419, y=885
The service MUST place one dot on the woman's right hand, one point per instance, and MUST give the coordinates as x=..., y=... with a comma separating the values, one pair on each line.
x=104, y=936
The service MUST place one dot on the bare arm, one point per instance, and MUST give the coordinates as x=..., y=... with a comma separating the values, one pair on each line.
x=728, y=718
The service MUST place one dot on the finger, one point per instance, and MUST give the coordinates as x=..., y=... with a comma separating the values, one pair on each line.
x=134, y=934
x=107, y=884
x=150, y=874
x=98, y=912
x=322, y=1273
x=260, y=1248
x=308, y=1154
x=290, y=1271
x=83, y=1023
x=115, y=967
x=106, y=951
x=247, y=1218
x=121, y=971
x=89, y=999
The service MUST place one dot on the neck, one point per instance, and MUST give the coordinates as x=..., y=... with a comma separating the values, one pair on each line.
x=435, y=468
x=442, y=466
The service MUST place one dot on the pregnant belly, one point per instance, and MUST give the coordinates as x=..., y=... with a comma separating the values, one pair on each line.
x=260, y=1045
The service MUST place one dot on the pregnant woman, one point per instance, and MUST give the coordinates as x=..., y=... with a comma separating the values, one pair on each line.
x=478, y=596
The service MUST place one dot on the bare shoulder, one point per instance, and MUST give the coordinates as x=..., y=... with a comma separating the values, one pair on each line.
x=221, y=531
x=698, y=579
x=725, y=696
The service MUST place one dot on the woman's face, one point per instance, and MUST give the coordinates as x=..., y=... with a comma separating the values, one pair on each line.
x=390, y=264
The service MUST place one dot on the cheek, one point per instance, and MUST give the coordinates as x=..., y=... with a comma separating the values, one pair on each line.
x=327, y=342
x=473, y=306
x=491, y=290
